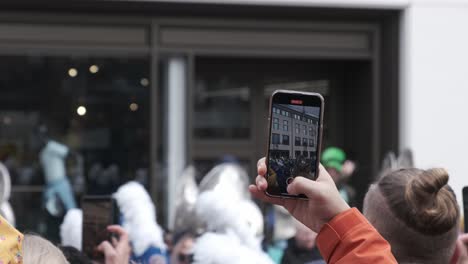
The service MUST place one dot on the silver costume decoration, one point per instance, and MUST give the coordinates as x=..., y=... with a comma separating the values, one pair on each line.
x=227, y=177
x=187, y=194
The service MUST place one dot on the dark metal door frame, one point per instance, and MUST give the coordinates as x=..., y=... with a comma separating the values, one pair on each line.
x=243, y=50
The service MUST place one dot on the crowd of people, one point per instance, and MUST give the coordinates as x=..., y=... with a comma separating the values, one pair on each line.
x=282, y=168
x=409, y=215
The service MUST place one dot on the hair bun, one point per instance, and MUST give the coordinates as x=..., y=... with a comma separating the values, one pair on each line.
x=423, y=188
x=430, y=198
x=430, y=181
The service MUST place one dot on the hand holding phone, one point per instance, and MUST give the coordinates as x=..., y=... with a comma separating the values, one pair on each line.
x=324, y=202
x=465, y=208
x=294, y=140
x=99, y=212
x=117, y=252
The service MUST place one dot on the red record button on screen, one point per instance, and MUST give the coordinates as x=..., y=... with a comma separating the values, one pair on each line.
x=296, y=102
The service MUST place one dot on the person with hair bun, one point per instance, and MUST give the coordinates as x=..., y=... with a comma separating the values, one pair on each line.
x=344, y=234
x=416, y=211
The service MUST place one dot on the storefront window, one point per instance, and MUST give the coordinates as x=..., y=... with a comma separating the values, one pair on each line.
x=89, y=115
x=222, y=102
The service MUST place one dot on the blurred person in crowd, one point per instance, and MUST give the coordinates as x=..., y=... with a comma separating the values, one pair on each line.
x=74, y=256
x=340, y=169
x=344, y=235
x=417, y=213
x=182, y=251
x=301, y=248
x=11, y=247
x=52, y=157
x=37, y=250
x=16, y=248
x=282, y=228
x=231, y=224
x=138, y=216
x=116, y=251
x=168, y=240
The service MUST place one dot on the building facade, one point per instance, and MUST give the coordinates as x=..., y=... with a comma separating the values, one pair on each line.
x=293, y=133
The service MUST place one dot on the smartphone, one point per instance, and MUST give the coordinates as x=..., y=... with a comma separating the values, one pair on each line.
x=295, y=139
x=98, y=213
x=465, y=208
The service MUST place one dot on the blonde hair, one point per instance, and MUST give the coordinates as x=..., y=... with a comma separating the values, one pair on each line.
x=37, y=250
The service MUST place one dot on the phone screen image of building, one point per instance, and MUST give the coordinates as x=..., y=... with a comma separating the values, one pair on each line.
x=293, y=143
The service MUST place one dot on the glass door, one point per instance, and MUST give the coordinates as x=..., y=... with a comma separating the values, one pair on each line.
x=231, y=100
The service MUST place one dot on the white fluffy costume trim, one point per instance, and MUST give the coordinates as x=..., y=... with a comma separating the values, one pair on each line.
x=139, y=216
x=227, y=248
x=71, y=228
x=233, y=230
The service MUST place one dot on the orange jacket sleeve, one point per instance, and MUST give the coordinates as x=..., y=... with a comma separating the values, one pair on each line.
x=350, y=238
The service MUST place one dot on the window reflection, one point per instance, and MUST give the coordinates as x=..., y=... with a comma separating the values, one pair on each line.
x=222, y=103
x=95, y=109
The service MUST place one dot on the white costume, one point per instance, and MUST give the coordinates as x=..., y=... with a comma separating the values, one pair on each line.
x=5, y=190
x=233, y=223
x=139, y=218
x=71, y=229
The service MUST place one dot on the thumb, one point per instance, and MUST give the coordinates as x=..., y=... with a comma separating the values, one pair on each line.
x=324, y=176
x=301, y=185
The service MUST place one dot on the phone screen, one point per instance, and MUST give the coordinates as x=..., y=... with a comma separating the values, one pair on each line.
x=98, y=213
x=465, y=207
x=295, y=134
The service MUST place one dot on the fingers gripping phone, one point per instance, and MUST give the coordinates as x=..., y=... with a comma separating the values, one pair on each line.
x=295, y=135
x=99, y=212
x=465, y=208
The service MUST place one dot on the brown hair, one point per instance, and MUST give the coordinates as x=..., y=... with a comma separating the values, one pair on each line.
x=421, y=199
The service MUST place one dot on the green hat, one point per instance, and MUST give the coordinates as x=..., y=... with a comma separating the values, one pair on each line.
x=333, y=157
